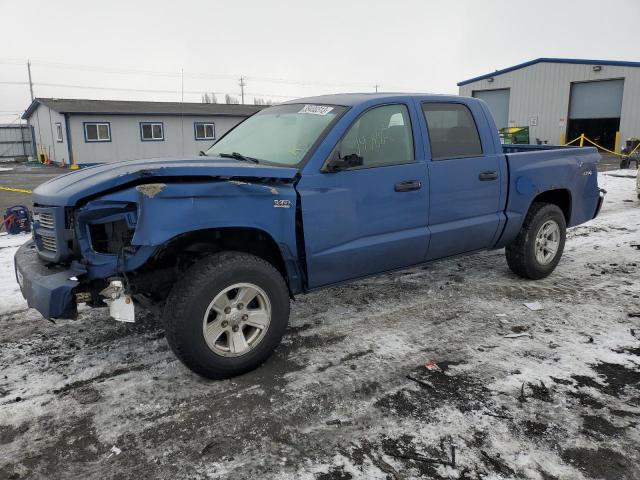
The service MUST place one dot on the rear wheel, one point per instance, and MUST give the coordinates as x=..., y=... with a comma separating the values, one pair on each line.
x=537, y=249
x=227, y=314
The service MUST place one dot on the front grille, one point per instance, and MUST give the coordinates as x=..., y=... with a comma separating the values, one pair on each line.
x=49, y=243
x=46, y=220
x=49, y=233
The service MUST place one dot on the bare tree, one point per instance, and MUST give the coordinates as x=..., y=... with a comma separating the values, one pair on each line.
x=228, y=99
x=209, y=98
x=262, y=101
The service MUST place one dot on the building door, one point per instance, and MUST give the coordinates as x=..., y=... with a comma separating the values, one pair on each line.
x=498, y=101
x=594, y=109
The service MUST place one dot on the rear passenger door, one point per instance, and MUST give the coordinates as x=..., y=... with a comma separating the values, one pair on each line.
x=464, y=181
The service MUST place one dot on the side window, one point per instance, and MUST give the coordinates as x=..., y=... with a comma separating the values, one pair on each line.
x=381, y=136
x=204, y=131
x=97, y=132
x=59, y=132
x=151, y=131
x=452, y=131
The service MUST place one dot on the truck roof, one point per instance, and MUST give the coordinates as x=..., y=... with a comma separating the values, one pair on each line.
x=352, y=99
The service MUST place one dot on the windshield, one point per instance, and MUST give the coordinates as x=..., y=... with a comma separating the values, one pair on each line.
x=282, y=134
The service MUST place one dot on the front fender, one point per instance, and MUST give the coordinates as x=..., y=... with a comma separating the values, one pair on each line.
x=167, y=210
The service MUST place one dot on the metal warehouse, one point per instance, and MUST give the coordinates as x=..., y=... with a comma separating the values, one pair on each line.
x=558, y=99
x=66, y=131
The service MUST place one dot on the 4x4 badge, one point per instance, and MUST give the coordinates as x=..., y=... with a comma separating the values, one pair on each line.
x=282, y=204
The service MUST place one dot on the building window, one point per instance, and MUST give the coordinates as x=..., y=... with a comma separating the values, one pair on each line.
x=205, y=131
x=151, y=132
x=97, y=132
x=59, y=131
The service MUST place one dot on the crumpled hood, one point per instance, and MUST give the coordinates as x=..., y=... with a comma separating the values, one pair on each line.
x=67, y=190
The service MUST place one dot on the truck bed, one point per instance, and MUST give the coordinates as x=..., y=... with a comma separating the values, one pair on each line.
x=568, y=171
x=530, y=147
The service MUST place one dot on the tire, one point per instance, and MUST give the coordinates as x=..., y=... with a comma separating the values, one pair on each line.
x=192, y=297
x=521, y=253
x=625, y=163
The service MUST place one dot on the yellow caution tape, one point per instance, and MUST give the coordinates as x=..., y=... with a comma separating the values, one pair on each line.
x=19, y=190
x=602, y=148
x=572, y=141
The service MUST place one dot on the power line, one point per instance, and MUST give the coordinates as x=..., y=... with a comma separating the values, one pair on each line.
x=176, y=74
x=139, y=90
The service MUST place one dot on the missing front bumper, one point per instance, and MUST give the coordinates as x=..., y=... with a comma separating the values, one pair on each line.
x=47, y=288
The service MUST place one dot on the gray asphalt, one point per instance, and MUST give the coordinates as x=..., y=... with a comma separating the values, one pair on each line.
x=23, y=176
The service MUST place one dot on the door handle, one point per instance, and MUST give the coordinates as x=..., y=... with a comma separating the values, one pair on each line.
x=408, y=186
x=486, y=176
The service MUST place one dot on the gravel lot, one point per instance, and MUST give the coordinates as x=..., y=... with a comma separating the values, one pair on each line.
x=506, y=392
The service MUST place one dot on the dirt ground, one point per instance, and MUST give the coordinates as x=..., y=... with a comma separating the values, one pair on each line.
x=438, y=372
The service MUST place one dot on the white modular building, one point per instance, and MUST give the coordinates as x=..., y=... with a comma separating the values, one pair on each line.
x=87, y=132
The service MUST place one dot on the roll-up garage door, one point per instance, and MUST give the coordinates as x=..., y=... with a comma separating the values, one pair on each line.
x=498, y=101
x=594, y=110
x=602, y=99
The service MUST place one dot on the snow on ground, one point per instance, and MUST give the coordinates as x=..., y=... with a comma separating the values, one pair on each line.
x=10, y=298
x=347, y=394
x=5, y=169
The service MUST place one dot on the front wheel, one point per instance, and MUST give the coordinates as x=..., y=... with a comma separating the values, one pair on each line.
x=227, y=314
x=537, y=249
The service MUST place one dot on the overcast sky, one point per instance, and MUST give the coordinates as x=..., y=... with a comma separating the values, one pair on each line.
x=290, y=48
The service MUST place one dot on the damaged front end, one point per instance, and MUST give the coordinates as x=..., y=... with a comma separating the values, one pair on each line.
x=121, y=245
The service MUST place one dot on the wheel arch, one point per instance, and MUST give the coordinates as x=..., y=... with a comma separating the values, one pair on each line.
x=561, y=197
x=251, y=240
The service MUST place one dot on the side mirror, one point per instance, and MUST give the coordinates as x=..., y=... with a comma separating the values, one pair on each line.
x=337, y=163
x=202, y=154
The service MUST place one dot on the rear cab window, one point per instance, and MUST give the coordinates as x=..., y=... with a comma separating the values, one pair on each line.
x=453, y=132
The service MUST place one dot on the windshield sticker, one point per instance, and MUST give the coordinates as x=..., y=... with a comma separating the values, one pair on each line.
x=316, y=109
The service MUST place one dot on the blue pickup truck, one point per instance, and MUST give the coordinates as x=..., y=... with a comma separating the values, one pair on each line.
x=301, y=196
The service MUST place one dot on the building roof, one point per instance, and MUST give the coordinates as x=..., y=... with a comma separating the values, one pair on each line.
x=574, y=61
x=121, y=107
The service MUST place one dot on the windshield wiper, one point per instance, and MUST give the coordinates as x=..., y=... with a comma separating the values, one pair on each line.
x=239, y=156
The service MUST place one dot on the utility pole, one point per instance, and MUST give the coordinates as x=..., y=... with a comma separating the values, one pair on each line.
x=242, y=85
x=182, y=85
x=30, y=82
x=181, y=108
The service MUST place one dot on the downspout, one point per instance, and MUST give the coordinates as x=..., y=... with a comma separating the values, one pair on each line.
x=32, y=131
x=67, y=128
